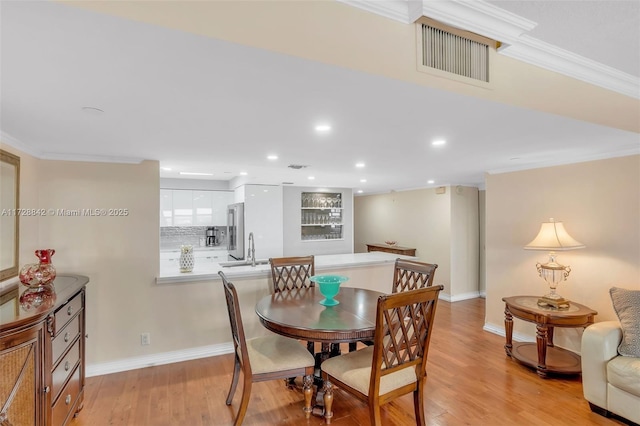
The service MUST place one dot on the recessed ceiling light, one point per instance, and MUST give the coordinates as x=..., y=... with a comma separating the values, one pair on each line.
x=431, y=181
x=196, y=174
x=323, y=128
x=243, y=173
x=272, y=157
x=438, y=142
x=311, y=177
x=360, y=165
x=360, y=191
x=363, y=180
x=166, y=169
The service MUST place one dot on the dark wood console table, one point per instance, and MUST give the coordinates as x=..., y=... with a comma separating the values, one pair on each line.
x=543, y=355
x=42, y=346
x=407, y=251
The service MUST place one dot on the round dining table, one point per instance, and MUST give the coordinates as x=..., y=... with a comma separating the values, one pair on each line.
x=299, y=314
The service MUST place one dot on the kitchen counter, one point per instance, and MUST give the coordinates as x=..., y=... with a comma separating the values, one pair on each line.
x=207, y=269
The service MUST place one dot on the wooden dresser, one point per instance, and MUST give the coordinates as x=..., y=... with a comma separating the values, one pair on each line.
x=407, y=251
x=42, y=346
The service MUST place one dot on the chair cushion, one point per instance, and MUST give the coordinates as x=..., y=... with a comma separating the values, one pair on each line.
x=272, y=353
x=354, y=369
x=627, y=306
x=623, y=372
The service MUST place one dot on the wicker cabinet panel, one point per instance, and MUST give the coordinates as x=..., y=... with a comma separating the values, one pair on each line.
x=21, y=378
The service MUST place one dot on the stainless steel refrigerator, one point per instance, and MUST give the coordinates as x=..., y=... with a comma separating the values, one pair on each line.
x=235, y=231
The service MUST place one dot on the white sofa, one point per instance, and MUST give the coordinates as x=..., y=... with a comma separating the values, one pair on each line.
x=611, y=382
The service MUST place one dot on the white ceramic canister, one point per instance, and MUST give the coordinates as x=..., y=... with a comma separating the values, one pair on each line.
x=186, y=258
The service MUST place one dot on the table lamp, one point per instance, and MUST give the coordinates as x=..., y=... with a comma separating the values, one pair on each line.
x=553, y=237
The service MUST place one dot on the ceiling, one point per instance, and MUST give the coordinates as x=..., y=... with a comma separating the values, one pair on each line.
x=199, y=104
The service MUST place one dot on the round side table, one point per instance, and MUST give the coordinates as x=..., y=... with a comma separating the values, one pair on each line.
x=543, y=355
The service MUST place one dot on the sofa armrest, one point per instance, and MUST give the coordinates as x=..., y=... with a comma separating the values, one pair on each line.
x=599, y=345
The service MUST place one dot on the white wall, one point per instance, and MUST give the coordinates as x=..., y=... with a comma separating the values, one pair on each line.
x=599, y=203
x=419, y=218
x=465, y=243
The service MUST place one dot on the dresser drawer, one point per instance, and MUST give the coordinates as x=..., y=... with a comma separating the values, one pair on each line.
x=64, y=369
x=65, y=339
x=67, y=399
x=67, y=312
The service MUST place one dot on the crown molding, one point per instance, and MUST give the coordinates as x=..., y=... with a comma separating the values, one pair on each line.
x=510, y=30
x=398, y=10
x=566, y=161
x=479, y=17
x=547, y=56
x=90, y=158
x=7, y=139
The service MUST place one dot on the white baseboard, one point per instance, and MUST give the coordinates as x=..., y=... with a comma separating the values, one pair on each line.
x=158, y=359
x=465, y=296
x=500, y=331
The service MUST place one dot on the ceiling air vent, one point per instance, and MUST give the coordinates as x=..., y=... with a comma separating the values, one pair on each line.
x=453, y=52
x=296, y=166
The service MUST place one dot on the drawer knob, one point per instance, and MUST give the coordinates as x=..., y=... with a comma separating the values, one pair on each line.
x=67, y=400
x=67, y=365
x=69, y=310
x=66, y=336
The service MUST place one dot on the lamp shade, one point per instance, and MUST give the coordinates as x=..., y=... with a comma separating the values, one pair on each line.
x=553, y=237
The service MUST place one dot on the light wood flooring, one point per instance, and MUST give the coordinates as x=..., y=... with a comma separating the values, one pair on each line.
x=470, y=382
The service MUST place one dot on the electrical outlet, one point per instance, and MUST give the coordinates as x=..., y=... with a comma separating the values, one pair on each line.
x=145, y=339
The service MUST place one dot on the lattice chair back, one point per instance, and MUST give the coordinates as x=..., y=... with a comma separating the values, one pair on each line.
x=412, y=275
x=291, y=273
x=396, y=363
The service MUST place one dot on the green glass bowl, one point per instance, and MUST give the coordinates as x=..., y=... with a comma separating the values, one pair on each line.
x=329, y=287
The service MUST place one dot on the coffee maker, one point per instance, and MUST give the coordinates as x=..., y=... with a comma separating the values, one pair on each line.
x=212, y=237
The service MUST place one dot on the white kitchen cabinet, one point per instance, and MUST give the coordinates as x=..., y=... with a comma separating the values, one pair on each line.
x=263, y=217
x=202, y=208
x=219, y=202
x=166, y=207
x=185, y=207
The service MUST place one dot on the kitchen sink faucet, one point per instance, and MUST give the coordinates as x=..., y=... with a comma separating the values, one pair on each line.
x=252, y=249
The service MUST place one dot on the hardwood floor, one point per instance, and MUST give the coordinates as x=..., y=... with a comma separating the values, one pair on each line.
x=470, y=382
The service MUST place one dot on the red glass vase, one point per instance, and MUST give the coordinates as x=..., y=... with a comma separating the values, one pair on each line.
x=41, y=273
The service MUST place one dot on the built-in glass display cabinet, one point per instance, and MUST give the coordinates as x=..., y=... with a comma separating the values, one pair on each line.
x=321, y=216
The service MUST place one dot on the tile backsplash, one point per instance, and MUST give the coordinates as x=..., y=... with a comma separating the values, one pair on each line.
x=172, y=237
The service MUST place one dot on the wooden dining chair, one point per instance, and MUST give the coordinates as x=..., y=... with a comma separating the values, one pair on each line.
x=264, y=358
x=291, y=273
x=411, y=275
x=396, y=364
